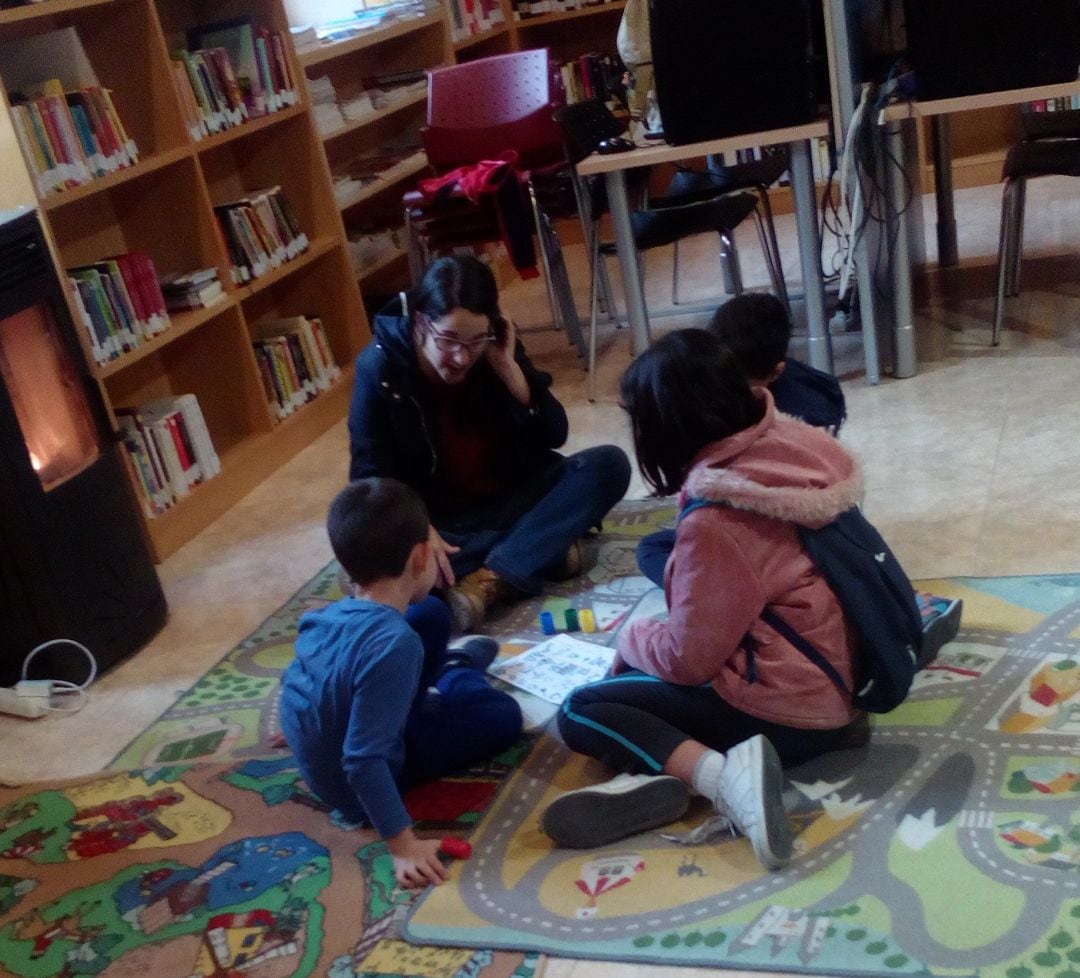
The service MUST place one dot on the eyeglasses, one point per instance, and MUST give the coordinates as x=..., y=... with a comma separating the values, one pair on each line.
x=450, y=344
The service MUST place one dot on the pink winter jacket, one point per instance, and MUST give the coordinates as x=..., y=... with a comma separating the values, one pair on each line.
x=730, y=561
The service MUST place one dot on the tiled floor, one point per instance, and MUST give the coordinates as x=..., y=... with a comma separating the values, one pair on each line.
x=971, y=469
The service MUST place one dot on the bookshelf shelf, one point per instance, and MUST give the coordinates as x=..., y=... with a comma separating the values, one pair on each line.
x=377, y=35
x=47, y=8
x=413, y=98
x=180, y=324
x=246, y=465
x=527, y=23
x=407, y=168
x=317, y=248
x=475, y=40
x=145, y=166
x=163, y=206
x=255, y=125
x=380, y=265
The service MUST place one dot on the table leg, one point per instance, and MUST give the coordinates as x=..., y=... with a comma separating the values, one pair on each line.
x=633, y=287
x=941, y=133
x=905, y=362
x=802, y=182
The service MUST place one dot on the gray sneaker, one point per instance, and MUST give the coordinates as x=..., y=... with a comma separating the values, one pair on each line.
x=603, y=813
x=750, y=794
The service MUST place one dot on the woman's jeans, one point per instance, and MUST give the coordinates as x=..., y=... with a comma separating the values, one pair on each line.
x=524, y=533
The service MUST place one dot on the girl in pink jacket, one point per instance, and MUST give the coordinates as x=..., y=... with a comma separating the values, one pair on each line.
x=713, y=698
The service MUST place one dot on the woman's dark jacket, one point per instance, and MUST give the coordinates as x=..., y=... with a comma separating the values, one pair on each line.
x=391, y=430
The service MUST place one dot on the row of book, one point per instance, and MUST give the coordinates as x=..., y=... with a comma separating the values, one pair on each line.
x=261, y=233
x=232, y=71
x=295, y=361
x=170, y=449
x=524, y=9
x=594, y=76
x=1064, y=103
x=120, y=303
x=471, y=17
x=192, y=290
x=69, y=138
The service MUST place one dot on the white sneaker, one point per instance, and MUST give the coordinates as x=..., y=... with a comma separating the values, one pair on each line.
x=603, y=813
x=750, y=794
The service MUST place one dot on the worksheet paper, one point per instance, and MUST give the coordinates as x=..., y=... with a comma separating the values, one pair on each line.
x=555, y=666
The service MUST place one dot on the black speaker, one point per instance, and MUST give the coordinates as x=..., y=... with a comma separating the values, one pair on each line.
x=964, y=47
x=728, y=67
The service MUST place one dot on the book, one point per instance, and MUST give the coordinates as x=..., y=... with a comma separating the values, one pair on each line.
x=237, y=36
x=552, y=668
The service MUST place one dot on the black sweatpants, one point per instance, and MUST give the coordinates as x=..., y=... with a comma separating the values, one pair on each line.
x=633, y=722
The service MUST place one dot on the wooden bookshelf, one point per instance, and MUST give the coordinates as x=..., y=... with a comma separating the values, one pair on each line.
x=163, y=205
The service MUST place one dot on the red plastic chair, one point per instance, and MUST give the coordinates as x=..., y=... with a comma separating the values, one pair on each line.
x=479, y=110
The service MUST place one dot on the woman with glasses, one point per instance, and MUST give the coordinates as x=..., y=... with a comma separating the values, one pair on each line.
x=447, y=401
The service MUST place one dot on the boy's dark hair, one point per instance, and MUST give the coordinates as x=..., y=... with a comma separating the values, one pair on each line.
x=373, y=526
x=682, y=393
x=458, y=281
x=756, y=328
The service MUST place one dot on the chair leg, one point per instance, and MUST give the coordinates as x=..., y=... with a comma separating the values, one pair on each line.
x=774, y=247
x=675, y=275
x=594, y=295
x=776, y=277
x=545, y=259
x=610, y=307
x=1017, y=237
x=560, y=282
x=729, y=261
x=1008, y=197
x=414, y=250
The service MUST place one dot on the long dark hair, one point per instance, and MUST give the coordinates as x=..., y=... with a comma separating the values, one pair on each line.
x=681, y=394
x=457, y=282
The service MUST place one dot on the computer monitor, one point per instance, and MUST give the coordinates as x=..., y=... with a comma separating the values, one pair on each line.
x=965, y=47
x=728, y=67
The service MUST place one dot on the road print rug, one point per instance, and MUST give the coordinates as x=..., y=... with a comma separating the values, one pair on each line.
x=950, y=845
x=201, y=853
x=207, y=871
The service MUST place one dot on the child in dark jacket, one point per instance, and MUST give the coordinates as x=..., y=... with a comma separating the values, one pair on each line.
x=373, y=705
x=756, y=328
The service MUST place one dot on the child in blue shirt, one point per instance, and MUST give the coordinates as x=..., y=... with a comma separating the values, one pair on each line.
x=372, y=705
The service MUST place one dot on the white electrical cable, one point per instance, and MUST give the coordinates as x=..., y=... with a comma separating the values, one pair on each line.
x=62, y=687
x=853, y=206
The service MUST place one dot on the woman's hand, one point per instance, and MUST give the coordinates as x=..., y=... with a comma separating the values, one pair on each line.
x=500, y=351
x=416, y=861
x=500, y=354
x=442, y=551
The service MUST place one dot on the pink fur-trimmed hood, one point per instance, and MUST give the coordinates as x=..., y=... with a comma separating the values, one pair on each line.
x=781, y=468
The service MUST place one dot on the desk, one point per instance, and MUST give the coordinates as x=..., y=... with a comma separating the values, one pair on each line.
x=614, y=167
x=938, y=112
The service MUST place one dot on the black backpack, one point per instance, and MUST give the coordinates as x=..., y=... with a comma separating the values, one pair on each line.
x=878, y=602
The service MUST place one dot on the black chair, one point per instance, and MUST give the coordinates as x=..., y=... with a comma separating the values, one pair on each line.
x=757, y=176
x=1044, y=154
x=657, y=222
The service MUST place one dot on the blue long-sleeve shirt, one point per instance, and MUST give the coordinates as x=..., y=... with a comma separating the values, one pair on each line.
x=344, y=703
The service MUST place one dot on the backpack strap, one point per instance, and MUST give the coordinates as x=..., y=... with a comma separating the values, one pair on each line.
x=805, y=646
x=774, y=621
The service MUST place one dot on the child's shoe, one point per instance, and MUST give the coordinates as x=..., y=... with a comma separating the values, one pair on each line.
x=603, y=813
x=471, y=652
x=474, y=596
x=941, y=624
x=750, y=794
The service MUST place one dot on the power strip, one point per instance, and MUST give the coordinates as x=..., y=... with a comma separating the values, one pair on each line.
x=15, y=705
